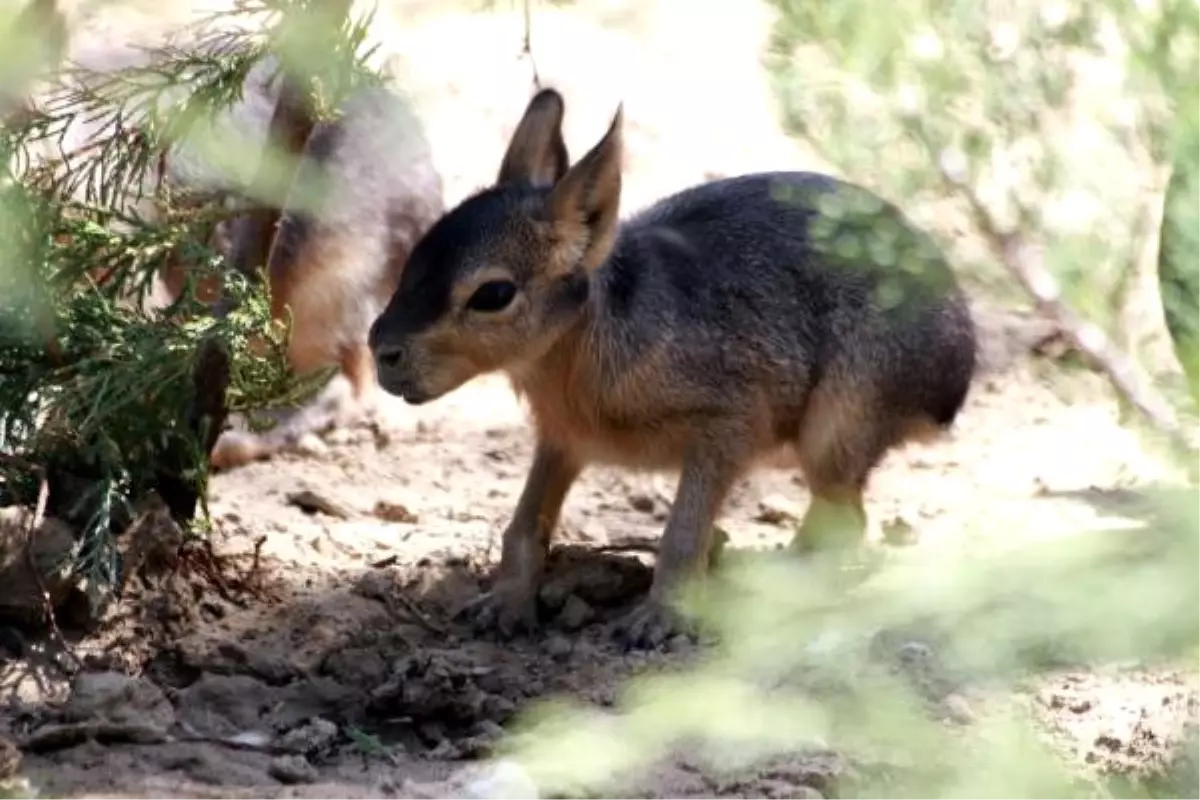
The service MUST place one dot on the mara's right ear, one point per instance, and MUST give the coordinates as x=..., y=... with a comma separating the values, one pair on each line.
x=537, y=153
x=583, y=206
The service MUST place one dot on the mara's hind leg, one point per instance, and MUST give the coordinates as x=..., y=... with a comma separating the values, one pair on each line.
x=842, y=439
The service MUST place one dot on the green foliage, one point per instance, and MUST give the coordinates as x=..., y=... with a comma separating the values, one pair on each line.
x=1015, y=106
x=800, y=662
x=1179, y=239
x=95, y=382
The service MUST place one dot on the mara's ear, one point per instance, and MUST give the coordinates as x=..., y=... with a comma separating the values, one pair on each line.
x=584, y=205
x=537, y=153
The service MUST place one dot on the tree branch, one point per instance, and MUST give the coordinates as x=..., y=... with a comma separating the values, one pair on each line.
x=1026, y=262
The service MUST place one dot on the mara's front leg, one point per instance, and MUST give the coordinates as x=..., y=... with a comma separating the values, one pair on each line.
x=684, y=551
x=512, y=602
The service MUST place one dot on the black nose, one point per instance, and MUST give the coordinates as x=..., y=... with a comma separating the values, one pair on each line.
x=386, y=349
x=388, y=355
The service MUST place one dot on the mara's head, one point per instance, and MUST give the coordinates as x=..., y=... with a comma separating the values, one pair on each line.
x=501, y=277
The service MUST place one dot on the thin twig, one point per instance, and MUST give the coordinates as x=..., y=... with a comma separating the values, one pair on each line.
x=527, y=44
x=415, y=613
x=632, y=546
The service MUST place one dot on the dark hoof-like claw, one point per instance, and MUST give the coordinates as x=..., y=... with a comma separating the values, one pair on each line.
x=651, y=625
x=508, y=613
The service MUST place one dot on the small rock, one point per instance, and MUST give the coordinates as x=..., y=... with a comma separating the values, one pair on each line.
x=914, y=652
x=309, y=501
x=490, y=729
x=898, y=532
x=448, y=750
x=678, y=643
x=312, y=737
x=957, y=709
x=311, y=445
x=575, y=613
x=642, y=502
x=559, y=648
x=778, y=510
x=224, y=705
x=118, y=698
x=152, y=540
x=394, y=512
x=343, y=437
x=292, y=769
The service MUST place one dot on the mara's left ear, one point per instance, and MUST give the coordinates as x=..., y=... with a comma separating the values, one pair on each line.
x=584, y=205
x=536, y=153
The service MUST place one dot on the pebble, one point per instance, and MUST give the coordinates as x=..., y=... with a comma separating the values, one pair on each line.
x=311, y=737
x=559, y=648
x=575, y=613
x=642, y=502
x=501, y=779
x=312, y=446
x=292, y=769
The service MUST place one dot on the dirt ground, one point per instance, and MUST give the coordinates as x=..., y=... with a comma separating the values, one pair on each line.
x=313, y=650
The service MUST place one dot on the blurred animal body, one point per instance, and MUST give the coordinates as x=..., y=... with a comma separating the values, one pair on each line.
x=364, y=190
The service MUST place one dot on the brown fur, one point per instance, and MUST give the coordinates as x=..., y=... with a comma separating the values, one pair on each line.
x=336, y=257
x=710, y=334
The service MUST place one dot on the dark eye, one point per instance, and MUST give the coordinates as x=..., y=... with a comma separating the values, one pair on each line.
x=493, y=296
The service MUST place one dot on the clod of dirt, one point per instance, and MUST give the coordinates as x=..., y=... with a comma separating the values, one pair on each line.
x=232, y=658
x=644, y=503
x=292, y=769
x=898, y=532
x=575, y=613
x=10, y=758
x=49, y=549
x=778, y=510
x=559, y=648
x=225, y=705
x=313, y=738
x=444, y=695
x=394, y=512
x=152, y=540
x=311, y=502
x=918, y=661
x=119, y=699
x=311, y=446
x=804, y=773
x=600, y=580
x=73, y=734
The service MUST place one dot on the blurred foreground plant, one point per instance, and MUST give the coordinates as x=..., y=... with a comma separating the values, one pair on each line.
x=799, y=666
